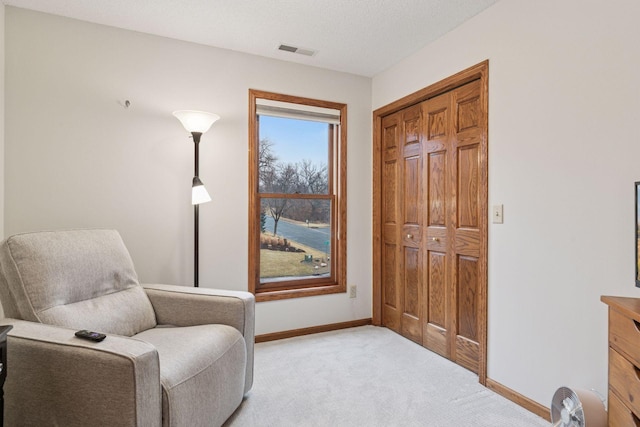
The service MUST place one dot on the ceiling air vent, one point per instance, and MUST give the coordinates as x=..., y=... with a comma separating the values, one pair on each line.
x=298, y=50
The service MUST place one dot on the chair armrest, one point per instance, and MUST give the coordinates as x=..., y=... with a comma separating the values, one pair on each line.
x=55, y=378
x=187, y=306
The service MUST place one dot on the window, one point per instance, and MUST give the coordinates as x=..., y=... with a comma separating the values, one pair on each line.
x=297, y=196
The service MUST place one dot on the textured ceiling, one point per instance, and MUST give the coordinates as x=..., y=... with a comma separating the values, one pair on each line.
x=361, y=37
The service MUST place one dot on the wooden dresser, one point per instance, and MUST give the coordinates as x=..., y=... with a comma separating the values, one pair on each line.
x=624, y=361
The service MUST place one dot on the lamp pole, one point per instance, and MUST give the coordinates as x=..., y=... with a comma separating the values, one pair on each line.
x=196, y=207
x=196, y=123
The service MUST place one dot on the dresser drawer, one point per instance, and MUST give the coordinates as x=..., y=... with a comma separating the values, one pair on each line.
x=624, y=381
x=619, y=415
x=624, y=335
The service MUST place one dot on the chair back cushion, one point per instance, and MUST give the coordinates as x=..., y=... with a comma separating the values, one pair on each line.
x=81, y=279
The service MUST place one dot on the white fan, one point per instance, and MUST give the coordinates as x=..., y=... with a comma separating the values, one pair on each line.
x=577, y=408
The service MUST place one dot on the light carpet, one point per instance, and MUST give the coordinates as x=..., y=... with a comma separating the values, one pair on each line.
x=368, y=376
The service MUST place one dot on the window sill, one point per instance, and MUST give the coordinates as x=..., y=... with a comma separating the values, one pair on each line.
x=273, y=295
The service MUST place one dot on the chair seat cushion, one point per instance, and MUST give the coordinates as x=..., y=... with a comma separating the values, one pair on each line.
x=202, y=371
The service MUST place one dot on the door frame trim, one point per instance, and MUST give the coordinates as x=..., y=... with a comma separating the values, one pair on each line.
x=477, y=72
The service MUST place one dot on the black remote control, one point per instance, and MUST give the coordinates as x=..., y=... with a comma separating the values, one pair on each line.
x=89, y=335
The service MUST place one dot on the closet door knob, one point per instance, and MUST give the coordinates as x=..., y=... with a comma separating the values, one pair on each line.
x=435, y=239
x=409, y=236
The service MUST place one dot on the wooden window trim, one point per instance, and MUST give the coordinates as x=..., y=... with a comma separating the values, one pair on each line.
x=337, y=170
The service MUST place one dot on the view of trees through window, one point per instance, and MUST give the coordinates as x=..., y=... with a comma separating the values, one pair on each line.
x=295, y=201
x=297, y=196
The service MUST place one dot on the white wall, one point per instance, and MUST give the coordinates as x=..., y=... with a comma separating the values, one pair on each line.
x=77, y=158
x=1, y=123
x=1, y=128
x=564, y=152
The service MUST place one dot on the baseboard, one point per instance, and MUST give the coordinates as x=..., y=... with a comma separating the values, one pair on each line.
x=519, y=399
x=311, y=330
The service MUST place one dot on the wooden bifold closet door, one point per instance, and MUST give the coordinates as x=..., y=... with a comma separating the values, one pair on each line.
x=433, y=208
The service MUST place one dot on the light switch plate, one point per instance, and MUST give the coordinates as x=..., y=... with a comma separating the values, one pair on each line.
x=497, y=214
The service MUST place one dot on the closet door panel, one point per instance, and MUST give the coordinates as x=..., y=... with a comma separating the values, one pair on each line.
x=467, y=220
x=411, y=236
x=436, y=113
x=391, y=289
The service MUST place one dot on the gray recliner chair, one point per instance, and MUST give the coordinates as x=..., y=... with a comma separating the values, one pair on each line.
x=173, y=355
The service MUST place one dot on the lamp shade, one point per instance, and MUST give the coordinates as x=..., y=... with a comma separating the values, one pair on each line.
x=199, y=194
x=196, y=121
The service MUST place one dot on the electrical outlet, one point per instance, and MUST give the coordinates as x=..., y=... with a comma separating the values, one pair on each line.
x=352, y=291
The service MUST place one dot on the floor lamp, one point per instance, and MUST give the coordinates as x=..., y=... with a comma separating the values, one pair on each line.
x=196, y=123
